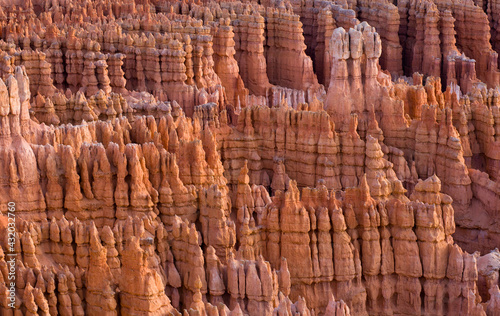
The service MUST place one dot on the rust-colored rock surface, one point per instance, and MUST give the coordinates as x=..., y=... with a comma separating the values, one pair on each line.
x=249, y=158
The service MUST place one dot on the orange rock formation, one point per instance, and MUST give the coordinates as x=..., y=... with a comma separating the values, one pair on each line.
x=250, y=158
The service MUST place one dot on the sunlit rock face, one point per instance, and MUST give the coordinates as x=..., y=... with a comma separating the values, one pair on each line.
x=249, y=158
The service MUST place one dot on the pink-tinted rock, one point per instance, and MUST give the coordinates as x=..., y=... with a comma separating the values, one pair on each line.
x=232, y=158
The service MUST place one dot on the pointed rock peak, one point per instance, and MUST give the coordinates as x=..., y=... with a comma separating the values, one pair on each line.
x=210, y=251
x=293, y=193
x=372, y=142
x=302, y=301
x=236, y=311
x=434, y=179
x=197, y=284
x=23, y=82
x=15, y=105
x=431, y=184
x=4, y=99
x=284, y=264
x=107, y=234
x=243, y=177
x=281, y=296
x=331, y=297
x=363, y=185
x=260, y=260
x=456, y=252
x=95, y=241
x=80, y=97
x=398, y=188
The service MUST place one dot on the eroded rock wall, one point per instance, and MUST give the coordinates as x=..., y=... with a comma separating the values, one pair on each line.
x=244, y=158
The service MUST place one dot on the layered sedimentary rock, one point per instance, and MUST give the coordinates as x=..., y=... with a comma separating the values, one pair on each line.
x=351, y=79
x=289, y=66
x=249, y=46
x=244, y=158
x=384, y=16
x=226, y=66
x=423, y=22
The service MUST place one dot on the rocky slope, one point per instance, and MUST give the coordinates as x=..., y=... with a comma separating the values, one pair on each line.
x=241, y=158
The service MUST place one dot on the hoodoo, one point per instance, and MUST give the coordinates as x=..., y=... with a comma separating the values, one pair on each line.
x=249, y=158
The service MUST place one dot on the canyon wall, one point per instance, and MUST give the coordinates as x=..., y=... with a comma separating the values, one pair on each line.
x=302, y=157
